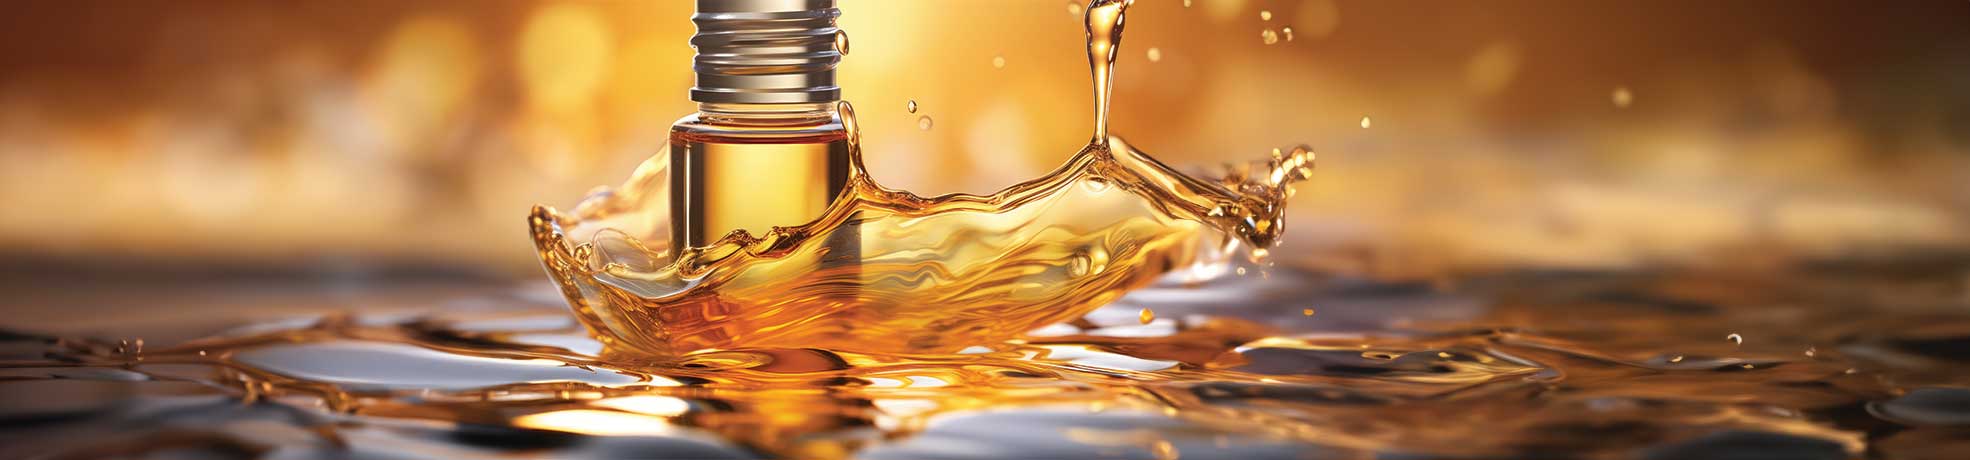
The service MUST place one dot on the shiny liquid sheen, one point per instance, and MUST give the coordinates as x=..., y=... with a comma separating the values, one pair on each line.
x=1004, y=326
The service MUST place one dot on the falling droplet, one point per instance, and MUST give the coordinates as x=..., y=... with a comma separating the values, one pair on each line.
x=1186, y=3
x=1269, y=36
x=1265, y=15
x=923, y=122
x=913, y=106
x=1735, y=339
x=841, y=41
x=998, y=62
x=1306, y=312
x=1148, y=315
x=1289, y=33
x=1812, y=351
x=1074, y=9
x=1365, y=123
x=1155, y=55
x=1240, y=271
x=1622, y=97
x=1676, y=359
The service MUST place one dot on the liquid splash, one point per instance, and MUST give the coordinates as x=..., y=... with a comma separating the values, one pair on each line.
x=1513, y=365
x=931, y=274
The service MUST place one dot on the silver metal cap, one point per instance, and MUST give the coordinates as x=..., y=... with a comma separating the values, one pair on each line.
x=766, y=51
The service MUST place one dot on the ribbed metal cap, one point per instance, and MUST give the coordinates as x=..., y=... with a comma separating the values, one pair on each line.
x=766, y=51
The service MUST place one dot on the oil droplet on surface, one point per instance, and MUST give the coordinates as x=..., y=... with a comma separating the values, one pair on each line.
x=1812, y=351
x=1622, y=97
x=1289, y=33
x=1735, y=339
x=1676, y=359
x=1147, y=316
x=1155, y=55
x=841, y=41
x=1747, y=366
x=998, y=62
x=912, y=106
x=1365, y=123
x=1265, y=15
x=1269, y=36
x=1306, y=312
x=923, y=122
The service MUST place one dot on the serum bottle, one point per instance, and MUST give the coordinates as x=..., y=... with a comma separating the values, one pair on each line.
x=767, y=146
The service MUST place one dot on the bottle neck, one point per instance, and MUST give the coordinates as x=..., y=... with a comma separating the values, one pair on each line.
x=768, y=115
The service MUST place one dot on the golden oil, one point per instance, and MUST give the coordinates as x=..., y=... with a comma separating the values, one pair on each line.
x=880, y=269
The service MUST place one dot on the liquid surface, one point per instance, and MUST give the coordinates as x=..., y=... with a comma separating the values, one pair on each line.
x=1838, y=360
x=888, y=270
x=1835, y=360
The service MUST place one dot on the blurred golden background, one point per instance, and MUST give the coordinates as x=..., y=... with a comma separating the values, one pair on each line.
x=354, y=135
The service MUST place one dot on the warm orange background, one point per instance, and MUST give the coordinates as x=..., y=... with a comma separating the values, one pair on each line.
x=354, y=134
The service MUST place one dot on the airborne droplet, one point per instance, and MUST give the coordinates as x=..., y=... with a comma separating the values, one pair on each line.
x=998, y=62
x=1155, y=54
x=913, y=106
x=923, y=122
x=1148, y=315
x=1365, y=123
x=1735, y=339
x=1269, y=36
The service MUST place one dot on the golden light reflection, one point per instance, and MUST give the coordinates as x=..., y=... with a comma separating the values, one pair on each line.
x=1493, y=67
x=596, y=423
x=652, y=405
x=565, y=51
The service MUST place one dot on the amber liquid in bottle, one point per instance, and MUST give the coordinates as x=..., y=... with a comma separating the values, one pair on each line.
x=753, y=167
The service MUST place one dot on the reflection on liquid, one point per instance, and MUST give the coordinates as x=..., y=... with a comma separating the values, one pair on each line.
x=1503, y=365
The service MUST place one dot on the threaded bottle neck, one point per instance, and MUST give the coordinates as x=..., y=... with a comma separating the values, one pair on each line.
x=766, y=52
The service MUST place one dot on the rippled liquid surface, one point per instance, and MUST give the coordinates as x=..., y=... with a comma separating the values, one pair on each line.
x=1838, y=360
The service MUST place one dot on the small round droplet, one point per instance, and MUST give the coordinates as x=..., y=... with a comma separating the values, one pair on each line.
x=1186, y=3
x=998, y=62
x=1288, y=31
x=1269, y=36
x=1443, y=354
x=1812, y=351
x=913, y=106
x=1240, y=271
x=923, y=122
x=1148, y=315
x=1746, y=366
x=841, y=41
x=1074, y=9
x=1735, y=339
x=1622, y=97
x=1365, y=123
x=1306, y=312
x=1155, y=55
x=1265, y=15
x=1676, y=359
